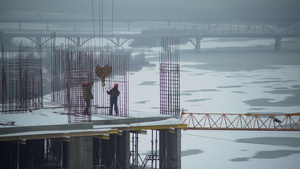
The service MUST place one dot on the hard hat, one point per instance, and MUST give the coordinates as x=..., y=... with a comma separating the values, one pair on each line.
x=116, y=85
x=83, y=83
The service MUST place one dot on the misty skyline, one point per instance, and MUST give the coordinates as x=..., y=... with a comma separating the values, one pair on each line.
x=154, y=9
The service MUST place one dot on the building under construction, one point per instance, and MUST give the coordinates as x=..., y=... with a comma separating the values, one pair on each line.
x=83, y=142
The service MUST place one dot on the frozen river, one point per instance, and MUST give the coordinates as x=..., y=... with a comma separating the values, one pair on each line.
x=230, y=77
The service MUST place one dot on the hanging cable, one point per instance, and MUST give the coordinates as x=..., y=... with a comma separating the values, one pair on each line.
x=99, y=17
x=112, y=23
x=93, y=22
x=102, y=27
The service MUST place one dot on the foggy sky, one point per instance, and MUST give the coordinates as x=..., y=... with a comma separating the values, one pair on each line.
x=151, y=9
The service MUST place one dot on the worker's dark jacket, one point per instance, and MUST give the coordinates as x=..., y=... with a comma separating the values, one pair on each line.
x=87, y=93
x=114, y=92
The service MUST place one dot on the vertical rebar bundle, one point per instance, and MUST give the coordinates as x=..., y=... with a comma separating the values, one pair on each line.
x=170, y=76
x=21, y=80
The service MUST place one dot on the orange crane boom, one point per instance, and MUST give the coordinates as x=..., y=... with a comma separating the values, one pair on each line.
x=249, y=121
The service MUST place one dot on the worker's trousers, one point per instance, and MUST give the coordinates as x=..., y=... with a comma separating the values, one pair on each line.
x=113, y=102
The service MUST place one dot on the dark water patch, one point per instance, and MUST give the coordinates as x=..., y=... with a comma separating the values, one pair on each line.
x=191, y=152
x=235, y=86
x=201, y=90
x=296, y=86
x=267, y=155
x=197, y=100
x=275, y=154
x=257, y=109
x=287, y=102
x=282, y=91
x=240, y=92
x=155, y=107
x=271, y=81
x=208, y=90
x=244, y=150
x=185, y=71
x=271, y=78
x=278, y=141
x=197, y=74
x=185, y=94
x=280, y=88
x=148, y=83
x=143, y=102
x=240, y=76
x=240, y=159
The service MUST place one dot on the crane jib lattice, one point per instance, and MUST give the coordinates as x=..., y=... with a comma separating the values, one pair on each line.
x=224, y=121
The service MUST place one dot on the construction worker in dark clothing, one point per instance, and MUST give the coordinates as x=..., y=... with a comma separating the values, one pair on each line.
x=114, y=93
x=87, y=95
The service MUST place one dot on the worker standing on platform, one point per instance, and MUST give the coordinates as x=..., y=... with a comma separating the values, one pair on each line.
x=114, y=93
x=87, y=95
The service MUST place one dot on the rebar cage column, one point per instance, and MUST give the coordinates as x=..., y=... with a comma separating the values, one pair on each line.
x=21, y=80
x=169, y=59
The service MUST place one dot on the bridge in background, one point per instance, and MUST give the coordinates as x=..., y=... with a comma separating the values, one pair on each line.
x=226, y=29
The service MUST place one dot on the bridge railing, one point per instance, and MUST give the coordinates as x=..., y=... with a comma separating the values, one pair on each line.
x=223, y=121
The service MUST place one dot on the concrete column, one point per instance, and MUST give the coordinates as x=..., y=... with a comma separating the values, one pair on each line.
x=123, y=153
x=278, y=43
x=170, y=149
x=80, y=153
x=116, y=151
x=35, y=152
x=198, y=44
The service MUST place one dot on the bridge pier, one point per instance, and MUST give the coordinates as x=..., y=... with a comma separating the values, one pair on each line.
x=278, y=43
x=78, y=41
x=118, y=42
x=198, y=44
x=38, y=42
